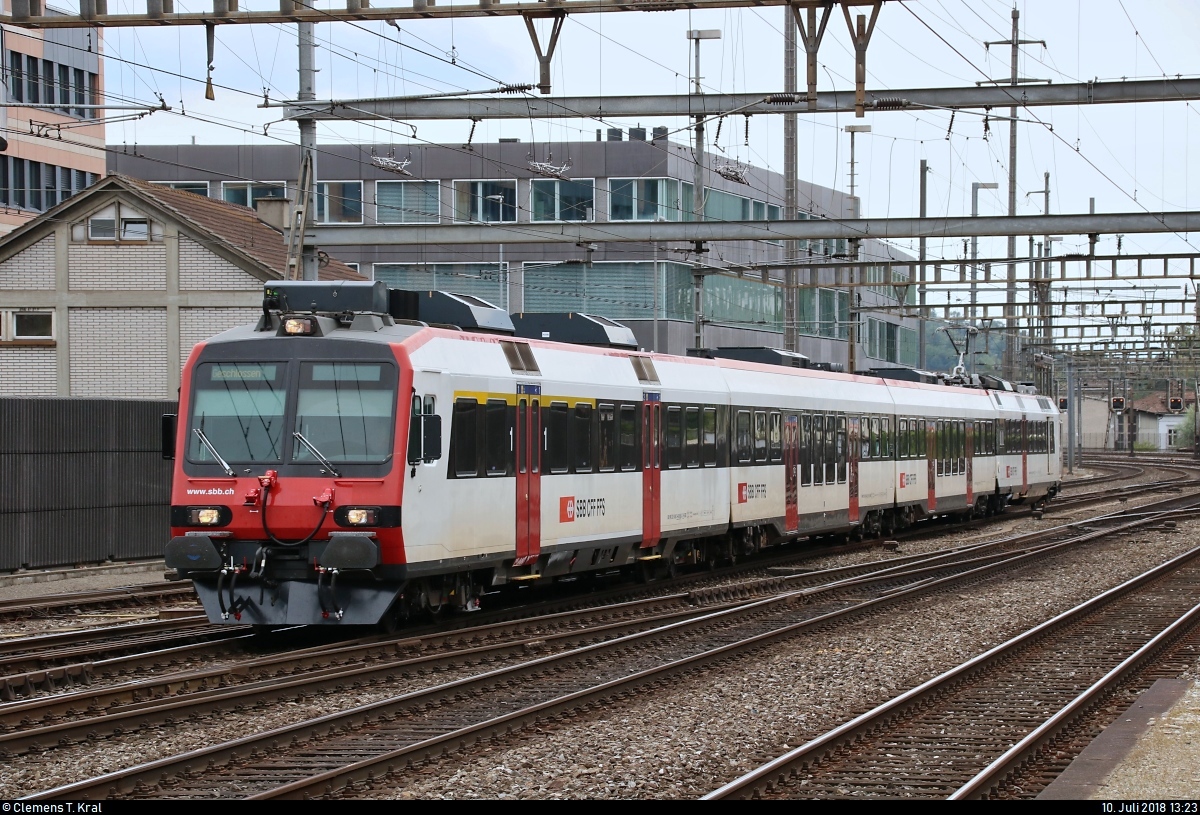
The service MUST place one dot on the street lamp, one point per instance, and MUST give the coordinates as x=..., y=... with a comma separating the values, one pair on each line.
x=976, y=186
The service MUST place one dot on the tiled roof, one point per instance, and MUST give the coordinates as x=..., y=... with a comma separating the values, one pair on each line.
x=1157, y=403
x=236, y=226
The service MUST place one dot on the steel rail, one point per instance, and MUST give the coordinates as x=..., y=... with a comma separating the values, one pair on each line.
x=989, y=777
x=349, y=720
x=777, y=770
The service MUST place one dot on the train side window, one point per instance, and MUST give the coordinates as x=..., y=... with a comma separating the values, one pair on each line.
x=464, y=442
x=805, y=449
x=497, y=438
x=875, y=438
x=940, y=446
x=841, y=449
x=962, y=445
x=673, y=437
x=818, y=449
x=708, y=437
x=581, y=438
x=775, y=436
x=608, y=438
x=535, y=433
x=885, y=439
x=864, y=433
x=691, y=437
x=1050, y=434
x=557, y=437
x=902, y=438
x=629, y=438
x=742, y=432
x=920, y=438
x=760, y=435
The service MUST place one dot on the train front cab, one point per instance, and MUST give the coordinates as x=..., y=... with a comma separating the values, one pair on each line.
x=289, y=466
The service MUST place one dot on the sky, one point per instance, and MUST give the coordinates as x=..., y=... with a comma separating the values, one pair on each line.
x=1130, y=158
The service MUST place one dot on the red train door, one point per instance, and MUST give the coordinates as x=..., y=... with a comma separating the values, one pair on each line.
x=651, y=470
x=970, y=453
x=1024, y=456
x=527, y=441
x=931, y=463
x=791, y=462
x=853, y=455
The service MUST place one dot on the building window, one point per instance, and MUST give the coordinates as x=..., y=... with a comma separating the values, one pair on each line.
x=27, y=326
x=32, y=85
x=247, y=193
x=64, y=88
x=102, y=229
x=197, y=187
x=135, y=229
x=407, y=202
x=117, y=222
x=643, y=199
x=560, y=200
x=18, y=197
x=724, y=206
x=80, y=91
x=339, y=202
x=16, y=76
x=487, y=201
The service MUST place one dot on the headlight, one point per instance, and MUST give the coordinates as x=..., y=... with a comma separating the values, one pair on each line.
x=361, y=517
x=205, y=516
x=300, y=325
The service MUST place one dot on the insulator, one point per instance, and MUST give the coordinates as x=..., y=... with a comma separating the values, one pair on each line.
x=783, y=99
x=892, y=103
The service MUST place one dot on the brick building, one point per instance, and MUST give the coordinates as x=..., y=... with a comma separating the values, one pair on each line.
x=105, y=294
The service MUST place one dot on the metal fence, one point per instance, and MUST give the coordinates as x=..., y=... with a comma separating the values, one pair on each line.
x=82, y=481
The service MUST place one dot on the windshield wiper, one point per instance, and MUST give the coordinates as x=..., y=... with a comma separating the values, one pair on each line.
x=204, y=440
x=300, y=438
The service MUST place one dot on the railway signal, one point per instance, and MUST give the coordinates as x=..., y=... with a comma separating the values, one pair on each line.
x=1118, y=404
x=1176, y=404
x=1062, y=403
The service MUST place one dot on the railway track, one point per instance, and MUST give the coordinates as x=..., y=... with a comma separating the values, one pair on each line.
x=161, y=673
x=963, y=733
x=326, y=754
x=126, y=597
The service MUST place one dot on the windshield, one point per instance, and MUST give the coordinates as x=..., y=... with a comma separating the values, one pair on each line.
x=346, y=410
x=239, y=407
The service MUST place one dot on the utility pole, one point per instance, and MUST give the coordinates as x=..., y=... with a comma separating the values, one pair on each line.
x=922, y=351
x=791, y=249
x=1010, y=311
x=1070, y=415
x=1041, y=280
x=976, y=186
x=855, y=271
x=308, y=147
x=698, y=190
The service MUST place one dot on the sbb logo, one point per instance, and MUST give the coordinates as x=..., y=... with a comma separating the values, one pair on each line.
x=566, y=509
x=748, y=492
x=907, y=479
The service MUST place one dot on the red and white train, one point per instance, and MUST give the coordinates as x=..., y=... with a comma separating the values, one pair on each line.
x=336, y=465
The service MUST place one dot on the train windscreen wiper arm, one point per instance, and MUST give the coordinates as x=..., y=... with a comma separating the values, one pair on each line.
x=204, y=440
x=300, y=438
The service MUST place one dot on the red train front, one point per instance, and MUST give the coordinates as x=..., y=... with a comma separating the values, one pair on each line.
x=286, y=499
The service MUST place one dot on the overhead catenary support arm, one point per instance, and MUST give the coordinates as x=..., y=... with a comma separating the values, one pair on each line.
x=861, y=36
x=544, y=58
x=812, y=35
x=411, y=109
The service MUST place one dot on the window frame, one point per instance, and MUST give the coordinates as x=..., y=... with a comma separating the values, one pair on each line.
x=558, y=207
x=516, y=208
x=250, y=185
x=317, y=196
x=435, y=218
x=662, y=207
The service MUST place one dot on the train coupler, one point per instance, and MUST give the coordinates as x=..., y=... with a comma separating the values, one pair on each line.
x=236, y=605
